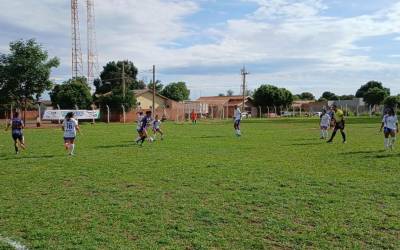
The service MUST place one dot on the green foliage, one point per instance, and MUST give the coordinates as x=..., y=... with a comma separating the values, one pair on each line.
x=269, y=95
x=329, y=96
x=159, y=86
x=109, y=88
x=346, y=97
x=176, y=91
x=392, y=101
x=306, y=96
x=73, y=92
x=375, y=96
x=230, y=92
x=361, y=92
x=221, y=94
x=25, y=72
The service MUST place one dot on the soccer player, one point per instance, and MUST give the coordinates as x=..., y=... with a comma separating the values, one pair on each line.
x=143, y=128
x=193, y=117
x=139, y=123
x=390, y=126
x=325, y=123
x=157, y=128
x=237, y=117
x=70, y=127
x=338, y=118
x=17, y=126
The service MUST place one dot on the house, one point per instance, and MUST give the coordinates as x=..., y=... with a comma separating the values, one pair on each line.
x=144, y=100
x=223, y=106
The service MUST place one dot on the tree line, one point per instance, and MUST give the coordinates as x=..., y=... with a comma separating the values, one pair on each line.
x=25, y=77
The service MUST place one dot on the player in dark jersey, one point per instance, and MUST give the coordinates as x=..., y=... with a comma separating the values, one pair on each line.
x=145, y=122
x=17, y=126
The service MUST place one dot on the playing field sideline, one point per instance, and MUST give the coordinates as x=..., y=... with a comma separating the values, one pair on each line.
x=278, y=186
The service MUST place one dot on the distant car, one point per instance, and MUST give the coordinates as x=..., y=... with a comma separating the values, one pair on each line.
x=317, y=114
x=246, y=115
x=286, y=114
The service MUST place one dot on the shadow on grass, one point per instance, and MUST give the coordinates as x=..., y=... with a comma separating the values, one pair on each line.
x=306, y=144
x=116, y=146
x=5, y=157
x=363, y=152
x=211, y=136
x=383, y=156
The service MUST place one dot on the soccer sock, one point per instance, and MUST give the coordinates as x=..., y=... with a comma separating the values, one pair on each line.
x=393, y=141
x=143, y=139
x=16, y=147
x=333, y=135
x=322, y=133
x=72, y=148
x=326, y=134
x=343, y=135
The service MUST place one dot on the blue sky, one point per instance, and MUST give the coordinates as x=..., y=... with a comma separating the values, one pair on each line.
x=302, y=45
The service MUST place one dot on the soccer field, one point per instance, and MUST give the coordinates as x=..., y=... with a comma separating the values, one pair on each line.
x=277, y=187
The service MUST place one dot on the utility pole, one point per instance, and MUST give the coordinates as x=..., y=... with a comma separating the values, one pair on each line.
x=154, y=88
x=244, y=73
x=123, y=80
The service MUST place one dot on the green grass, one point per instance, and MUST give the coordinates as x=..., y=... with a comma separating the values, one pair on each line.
x=277, y=187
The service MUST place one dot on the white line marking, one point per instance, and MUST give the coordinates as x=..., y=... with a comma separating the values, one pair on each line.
x=16, y=245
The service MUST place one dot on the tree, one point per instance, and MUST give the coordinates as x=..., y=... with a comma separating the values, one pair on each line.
x=392, y=101
x=229, y=92
x=269, y=96
x=25, y=72
x=221, y=94
x=75, y=91
x=109, y=88
x=370, y=85
x=375, y=96
x=159, y=86
x=329, y=96
x=307, y=96
x=176, y=91
x=346, y=97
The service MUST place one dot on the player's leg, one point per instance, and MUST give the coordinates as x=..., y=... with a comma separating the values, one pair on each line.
x=343, y=135
x=386, y=139
x=392, y=138
x=322, y=133
x=72, y=146
x=21, y=141
x=333, y=134
x=15, y=139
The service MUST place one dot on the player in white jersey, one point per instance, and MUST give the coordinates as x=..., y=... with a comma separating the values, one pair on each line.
x=390, y=127
x=70, y=127
x=237, y=117
x=325, y=123
x=157, y=128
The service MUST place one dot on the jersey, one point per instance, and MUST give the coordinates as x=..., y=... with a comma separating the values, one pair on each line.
x=70, y=128
x=325, y=120
x=237, y=115
x=16, y=126
x=156, y=124
x=339, y=115
x=144, y=123
x=139, y=122
x=390, y=122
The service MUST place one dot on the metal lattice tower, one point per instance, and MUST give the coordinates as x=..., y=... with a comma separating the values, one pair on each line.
x=92, y=56
x=77, y=63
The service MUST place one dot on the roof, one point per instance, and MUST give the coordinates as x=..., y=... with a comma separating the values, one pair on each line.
x=140, y=92
x=223, y=100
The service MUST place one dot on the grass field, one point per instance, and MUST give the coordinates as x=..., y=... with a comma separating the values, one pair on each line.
x=277, y=187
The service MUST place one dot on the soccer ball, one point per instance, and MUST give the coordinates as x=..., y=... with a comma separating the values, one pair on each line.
x=151, y=139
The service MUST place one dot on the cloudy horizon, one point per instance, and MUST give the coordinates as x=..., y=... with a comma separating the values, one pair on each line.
x=302, y=45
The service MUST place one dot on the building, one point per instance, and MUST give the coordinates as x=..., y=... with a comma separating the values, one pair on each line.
x=223, y=106
x=144, y=100
x=349, y=104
